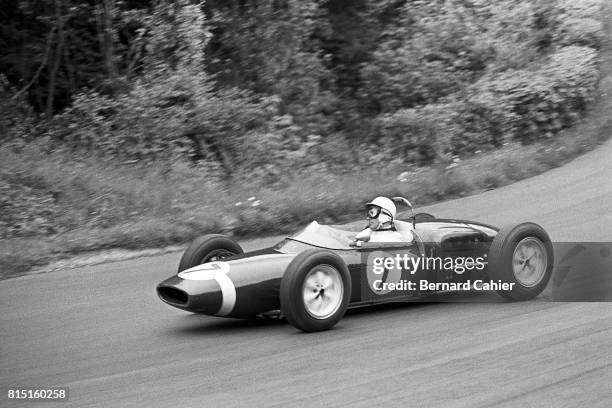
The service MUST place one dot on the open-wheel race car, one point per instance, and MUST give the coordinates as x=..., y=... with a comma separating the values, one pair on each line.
x=312, y=277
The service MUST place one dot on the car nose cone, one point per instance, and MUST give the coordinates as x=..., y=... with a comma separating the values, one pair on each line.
x=198, y=296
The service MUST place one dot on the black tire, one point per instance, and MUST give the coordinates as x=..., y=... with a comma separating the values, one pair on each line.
x=293, y=306
x=207, y=248
x=501, y=258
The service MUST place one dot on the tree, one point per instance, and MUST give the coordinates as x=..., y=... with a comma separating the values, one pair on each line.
x=270, y=48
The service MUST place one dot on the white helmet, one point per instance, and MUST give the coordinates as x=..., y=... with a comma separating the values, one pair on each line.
x=385, y=204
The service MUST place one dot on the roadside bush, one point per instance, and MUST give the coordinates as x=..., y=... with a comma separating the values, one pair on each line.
x=437, y=132
x=535, y=104
x=581, y=31
x=580, y=23
x=416, y=135
x=24, y=210
x=164, y=117
x=581, y=9
x=434, y=50
x=476, y=127
x=520, y=32
x=17, y=118
x=271, y=47
x=523, y=105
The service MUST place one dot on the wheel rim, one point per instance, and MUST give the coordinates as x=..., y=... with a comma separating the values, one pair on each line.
x=529, y=261
x=217, y=255
x=322, y=291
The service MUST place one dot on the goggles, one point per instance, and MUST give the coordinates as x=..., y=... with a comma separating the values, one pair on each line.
x=374, y=211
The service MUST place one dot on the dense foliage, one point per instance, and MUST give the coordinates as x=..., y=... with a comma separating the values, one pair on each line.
x=258, y=92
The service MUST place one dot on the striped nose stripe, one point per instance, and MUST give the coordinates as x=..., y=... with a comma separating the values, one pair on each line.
x=215, y=271
x=228, y=292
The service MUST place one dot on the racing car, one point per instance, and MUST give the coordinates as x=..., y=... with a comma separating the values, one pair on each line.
x=312, y=277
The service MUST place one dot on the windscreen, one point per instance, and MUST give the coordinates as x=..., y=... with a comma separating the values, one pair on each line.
x=317, y=235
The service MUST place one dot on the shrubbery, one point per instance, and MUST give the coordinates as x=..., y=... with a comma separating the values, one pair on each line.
x=431, y=51
x=538, y=103
x=524, y=105
x=537, y=84
x=446, y=78
x=17, y=121
x=172, y=116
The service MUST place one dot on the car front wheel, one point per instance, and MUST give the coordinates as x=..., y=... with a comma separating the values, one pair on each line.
x=208, y=248
x=315, y=290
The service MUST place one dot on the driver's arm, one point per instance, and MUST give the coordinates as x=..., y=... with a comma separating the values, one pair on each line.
x=364, y=235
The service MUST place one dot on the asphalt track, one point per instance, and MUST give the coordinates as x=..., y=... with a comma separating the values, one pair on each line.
x=102, y=332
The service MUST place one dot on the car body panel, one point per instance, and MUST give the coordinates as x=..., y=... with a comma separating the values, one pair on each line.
x=249, y=284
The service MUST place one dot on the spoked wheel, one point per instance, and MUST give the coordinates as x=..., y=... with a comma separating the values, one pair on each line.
x=521, y=255
x=322, y=291
x=209, y=248
x=315, y=290
x=529, y=262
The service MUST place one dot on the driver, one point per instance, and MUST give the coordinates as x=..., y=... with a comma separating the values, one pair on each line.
x=380, y=214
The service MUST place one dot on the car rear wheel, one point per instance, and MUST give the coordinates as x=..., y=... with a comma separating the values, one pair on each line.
x=521, y=255
x=315, y=290
x=208, y=248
